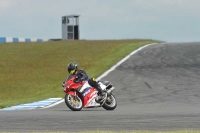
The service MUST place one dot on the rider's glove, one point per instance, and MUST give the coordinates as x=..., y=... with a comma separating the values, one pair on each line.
x=77, y=80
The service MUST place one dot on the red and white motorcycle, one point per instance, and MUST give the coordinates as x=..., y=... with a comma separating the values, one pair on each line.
x=82, y=95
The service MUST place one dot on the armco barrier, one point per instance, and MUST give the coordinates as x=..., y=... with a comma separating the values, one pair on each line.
x=14, y=39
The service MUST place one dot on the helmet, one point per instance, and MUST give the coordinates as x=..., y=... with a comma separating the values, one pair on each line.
x=72, y=67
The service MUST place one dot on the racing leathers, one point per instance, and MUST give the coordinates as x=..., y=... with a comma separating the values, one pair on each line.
x=82, y=75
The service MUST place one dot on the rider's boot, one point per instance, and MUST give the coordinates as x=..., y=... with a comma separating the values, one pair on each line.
x=100, y=93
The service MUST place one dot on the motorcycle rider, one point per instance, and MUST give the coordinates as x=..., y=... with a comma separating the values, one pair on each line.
x=82, y=75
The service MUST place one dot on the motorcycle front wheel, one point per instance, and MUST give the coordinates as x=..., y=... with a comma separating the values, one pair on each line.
x=73, y=102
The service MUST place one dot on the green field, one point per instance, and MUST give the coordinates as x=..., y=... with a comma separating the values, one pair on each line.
x=34, y=71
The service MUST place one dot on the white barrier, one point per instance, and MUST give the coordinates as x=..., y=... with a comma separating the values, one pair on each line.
x=14, y=39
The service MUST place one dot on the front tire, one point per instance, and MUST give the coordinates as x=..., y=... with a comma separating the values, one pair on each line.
x=110, y=103
x=73, y=102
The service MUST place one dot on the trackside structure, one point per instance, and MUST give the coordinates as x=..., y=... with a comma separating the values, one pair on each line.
x=70, y=27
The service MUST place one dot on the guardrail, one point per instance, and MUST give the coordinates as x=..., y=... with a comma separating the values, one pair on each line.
x=15, y=39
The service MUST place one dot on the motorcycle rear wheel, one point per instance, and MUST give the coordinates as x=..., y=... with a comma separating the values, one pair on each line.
x=73, y=102
x=110, y=103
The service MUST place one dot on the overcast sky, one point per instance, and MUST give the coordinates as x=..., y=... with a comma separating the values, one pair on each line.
x=167, y=20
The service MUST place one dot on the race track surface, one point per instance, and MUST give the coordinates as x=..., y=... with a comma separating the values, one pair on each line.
x=158, y=88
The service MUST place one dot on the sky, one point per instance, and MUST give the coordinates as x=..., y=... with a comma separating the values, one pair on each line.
x=165, y=20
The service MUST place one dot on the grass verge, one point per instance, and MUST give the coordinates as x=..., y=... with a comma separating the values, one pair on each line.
x=34, y=71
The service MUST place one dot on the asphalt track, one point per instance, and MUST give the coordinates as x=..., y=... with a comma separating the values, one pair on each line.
x=157, y=89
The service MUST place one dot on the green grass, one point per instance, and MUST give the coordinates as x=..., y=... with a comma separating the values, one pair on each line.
x=34, y=71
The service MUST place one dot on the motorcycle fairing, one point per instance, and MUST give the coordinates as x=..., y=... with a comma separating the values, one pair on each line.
x=72, y=93
x=89, y=99
x=86, y=91
x=88, y=95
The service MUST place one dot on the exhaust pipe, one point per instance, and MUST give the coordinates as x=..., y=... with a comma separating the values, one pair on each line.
x=110, y=90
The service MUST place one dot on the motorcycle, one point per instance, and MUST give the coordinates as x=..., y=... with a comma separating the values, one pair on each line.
x=80, y=95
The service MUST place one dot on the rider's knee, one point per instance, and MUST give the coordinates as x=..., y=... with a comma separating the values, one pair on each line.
x=92, y=82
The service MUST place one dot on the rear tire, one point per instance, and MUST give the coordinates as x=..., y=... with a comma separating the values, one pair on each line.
x=110, y=103
x=74, y=105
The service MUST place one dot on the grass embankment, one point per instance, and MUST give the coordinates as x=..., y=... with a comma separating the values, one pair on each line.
x=34, y=71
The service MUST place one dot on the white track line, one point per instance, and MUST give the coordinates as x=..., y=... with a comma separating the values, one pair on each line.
x=124, y=59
